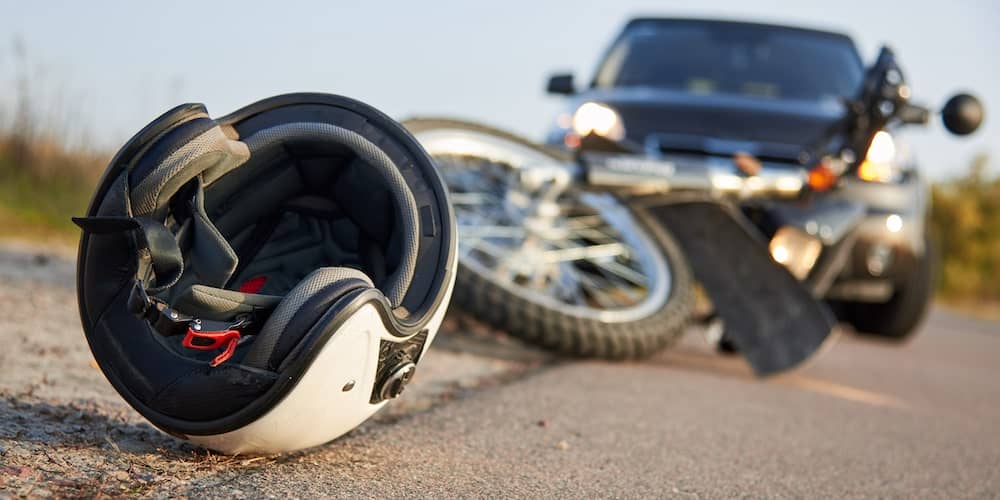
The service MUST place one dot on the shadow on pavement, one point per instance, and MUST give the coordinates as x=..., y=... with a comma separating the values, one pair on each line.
x=78, y=424
x=461, y=333
x=80, y=450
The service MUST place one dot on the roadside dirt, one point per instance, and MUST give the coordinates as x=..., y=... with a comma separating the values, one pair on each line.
x=65, y=432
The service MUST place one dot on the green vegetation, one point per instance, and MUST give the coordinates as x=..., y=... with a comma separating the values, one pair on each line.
x=41, y=186
x=965, y=221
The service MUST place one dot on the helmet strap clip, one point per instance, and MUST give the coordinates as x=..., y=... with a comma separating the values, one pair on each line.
x=212, y=335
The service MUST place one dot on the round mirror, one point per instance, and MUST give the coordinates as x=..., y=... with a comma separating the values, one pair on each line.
x=962, y=114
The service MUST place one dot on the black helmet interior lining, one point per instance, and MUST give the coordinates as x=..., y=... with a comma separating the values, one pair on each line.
x=349, y=183
x=287, y=210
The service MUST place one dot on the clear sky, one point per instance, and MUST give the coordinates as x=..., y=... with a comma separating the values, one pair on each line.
x=107, y=68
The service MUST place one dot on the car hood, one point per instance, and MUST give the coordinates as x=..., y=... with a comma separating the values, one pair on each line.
x=769, y=127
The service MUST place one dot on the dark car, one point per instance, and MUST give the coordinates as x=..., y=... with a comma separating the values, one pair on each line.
x=759, y=100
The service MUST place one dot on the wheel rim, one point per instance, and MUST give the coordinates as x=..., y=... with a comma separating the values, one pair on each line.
x=581, y=253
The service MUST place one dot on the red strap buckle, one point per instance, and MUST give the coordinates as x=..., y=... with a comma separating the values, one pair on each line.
x=209, y=341
x=253, y=285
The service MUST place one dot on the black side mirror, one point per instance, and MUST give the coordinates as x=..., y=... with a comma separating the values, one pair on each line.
x=561, y=84
x=962, y=114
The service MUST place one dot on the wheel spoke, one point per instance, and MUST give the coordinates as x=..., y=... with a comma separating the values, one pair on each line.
x=584, y=221
x=597, y=291
x=585, y=253
x=478, y=232
x=488, y=248
x=632, y=276
x=472, y=198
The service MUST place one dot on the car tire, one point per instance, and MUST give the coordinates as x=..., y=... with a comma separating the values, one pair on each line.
x=900, y=317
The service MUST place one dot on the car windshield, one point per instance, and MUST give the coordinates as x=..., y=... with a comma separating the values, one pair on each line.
x=727, y=58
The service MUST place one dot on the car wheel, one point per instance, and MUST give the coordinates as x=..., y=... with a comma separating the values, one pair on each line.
x=905, y=311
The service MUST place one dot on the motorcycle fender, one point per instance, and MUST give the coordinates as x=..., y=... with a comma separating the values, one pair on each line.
x=771, y=317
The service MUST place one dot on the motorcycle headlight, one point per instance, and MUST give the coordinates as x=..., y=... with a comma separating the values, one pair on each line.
x=592, y=117
x=796, y=250
x=880, y=163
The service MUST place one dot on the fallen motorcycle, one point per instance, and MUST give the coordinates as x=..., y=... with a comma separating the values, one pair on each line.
x=592, y=255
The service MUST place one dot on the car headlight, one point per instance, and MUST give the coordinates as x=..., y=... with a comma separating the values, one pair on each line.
x=598, y=119
x=880, y=163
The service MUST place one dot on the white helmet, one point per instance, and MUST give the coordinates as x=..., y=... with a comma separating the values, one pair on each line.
x=264, y=282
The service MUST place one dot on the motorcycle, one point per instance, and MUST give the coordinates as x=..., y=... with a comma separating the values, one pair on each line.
x=597, y=254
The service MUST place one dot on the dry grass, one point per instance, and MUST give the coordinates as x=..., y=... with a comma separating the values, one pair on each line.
x=41, y=186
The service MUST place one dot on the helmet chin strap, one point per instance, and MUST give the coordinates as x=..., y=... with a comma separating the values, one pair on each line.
x=160, y=266
x=161, y=263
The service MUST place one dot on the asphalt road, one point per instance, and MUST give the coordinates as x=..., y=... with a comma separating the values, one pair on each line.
x=864, y=420
x=488, y=417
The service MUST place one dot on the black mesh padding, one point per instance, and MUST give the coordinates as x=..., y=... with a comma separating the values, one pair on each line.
x=266, y=140
x=306, y=317
x=179, y=386
x=314, y=205
x=209, y=393
x=206, y=157
x=218, y=304
x=165, y=146
x=318, y=282
x=211, y=260
x=299, y=244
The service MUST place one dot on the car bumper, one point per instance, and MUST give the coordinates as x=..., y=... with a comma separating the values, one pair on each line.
x=889, y=241
x=872, y=236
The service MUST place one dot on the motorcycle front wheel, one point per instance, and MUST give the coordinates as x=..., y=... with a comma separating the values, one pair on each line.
x=570, y=270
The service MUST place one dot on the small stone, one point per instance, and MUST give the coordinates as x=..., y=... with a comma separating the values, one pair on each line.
x=121, y=475
x=543, y=423
x=562, y=445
